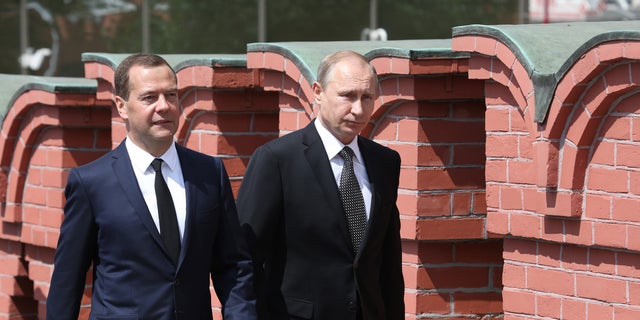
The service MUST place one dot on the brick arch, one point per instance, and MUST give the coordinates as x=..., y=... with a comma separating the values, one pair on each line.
x=38, y=120
x=27, y=116
x=497, y=62
x=44, y=135
x=598, y=99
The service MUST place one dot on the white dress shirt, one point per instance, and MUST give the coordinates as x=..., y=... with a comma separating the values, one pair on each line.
x=333, y=146
x=172, y=173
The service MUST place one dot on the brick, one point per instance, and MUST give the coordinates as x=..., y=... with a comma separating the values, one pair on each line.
x=607, y=179
x=40, y=272
x=477, y=303
x=584, y=67
x=273, y=61
x=497, y=119
x=462, y=178
x=496, y=170
x=520, y=250
x=453, y=277
x=626, y=265
x=628, y=155
x=599, y=311
x=433, y=66
x=265, y=122
x=511, y=198
x=498, y=96
x=579, y=232
x=598, y=206
x=463, y=43
x=447, y=131
x=634, y=293
x=548, y=306
x=574, y=309
x=436, y=252
x=485, y=252
x=549, y=254
x=502, y=146
x=461, y=204
x=610, y=234
x=479, y=203
x=618, y=128
x=500, y=73
x=599, y=288
x=450, y=229
x=434, y=204
x=604, y=153
x=551, y=281
x=626, y=312
x=469, y=154
x=447, y=87
x=497, y=223
x=521, y=172
x=625, y=209
x=602, y=261
x=289, y=121
x=575, y=258
x=522, y=302
x=433, y=303
x=526, y=225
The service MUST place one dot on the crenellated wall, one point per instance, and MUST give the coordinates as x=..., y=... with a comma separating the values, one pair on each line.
x=519, y=146
x=562, y=166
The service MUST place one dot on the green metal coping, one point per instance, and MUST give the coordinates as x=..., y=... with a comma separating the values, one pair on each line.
x=13, y=86
x=307, y=55
x=548, y=51
x=177, y=61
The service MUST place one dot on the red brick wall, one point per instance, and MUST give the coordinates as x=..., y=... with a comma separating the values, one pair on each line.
x=43, y=135
x=564, y=193
x=502, y=216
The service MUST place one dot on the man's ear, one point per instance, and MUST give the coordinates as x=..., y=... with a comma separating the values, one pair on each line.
x=317, y=91
x=120, y=106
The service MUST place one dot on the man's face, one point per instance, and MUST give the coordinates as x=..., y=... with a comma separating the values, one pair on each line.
x=152, y=109
x=346, y=104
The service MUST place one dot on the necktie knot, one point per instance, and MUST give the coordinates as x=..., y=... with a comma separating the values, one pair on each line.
x=156, y=164
x=347, y=154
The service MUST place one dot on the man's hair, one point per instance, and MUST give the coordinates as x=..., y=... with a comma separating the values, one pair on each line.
x=139, y=59
x=325, y=70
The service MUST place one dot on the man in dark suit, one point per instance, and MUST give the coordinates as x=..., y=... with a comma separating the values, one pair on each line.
x=155, y=230
x=324, y=245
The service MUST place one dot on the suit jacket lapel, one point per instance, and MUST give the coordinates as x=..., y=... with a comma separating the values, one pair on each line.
x=316, y=156
x=372, y=172
x=188, y=174
x=123, y=171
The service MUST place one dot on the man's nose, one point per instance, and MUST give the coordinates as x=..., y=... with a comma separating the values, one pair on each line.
x=162, y=104
x=356, y=106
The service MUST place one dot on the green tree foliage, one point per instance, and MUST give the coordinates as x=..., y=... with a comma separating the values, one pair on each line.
x=224, y=26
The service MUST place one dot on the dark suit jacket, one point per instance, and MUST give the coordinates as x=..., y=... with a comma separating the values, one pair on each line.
x=290, y=209
x=107, y=222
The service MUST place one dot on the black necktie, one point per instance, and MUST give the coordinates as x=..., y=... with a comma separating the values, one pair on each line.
x=166, y=214
x=352, y=200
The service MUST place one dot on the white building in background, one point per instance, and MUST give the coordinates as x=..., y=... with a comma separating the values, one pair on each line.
x=582, y=10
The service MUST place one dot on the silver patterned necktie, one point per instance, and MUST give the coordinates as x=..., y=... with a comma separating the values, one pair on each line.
x=352, y=200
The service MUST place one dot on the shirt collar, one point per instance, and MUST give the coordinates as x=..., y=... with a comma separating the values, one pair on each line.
x=141, y=160
x=333, y=146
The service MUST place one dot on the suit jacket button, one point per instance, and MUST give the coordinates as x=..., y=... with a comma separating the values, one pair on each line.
x=177, y=282
x=351, y=305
